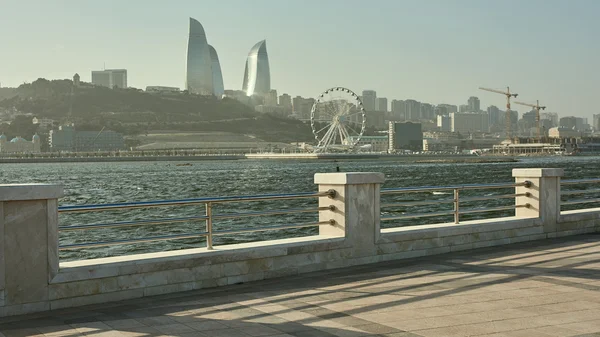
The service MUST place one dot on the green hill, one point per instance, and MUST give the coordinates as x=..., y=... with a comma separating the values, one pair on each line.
x=132, y=111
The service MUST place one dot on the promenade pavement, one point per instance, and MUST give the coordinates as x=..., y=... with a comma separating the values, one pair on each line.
x=544, y=288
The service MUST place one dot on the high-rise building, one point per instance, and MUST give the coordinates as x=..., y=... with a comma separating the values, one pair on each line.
x=398, y=110
x=302, y=107
x=285, y=101
x=495, y=115
x=569, y=122
x=473, y=103
x=596, y=125
x=369, y=99
x=449, y=107
x=465, y=123
x=217, y=76
x=443, y=123
x=257, y=74
x=463, y=108
x=551, y=116
x=382, y=104
x=110, y=78
x=199, y=73
x=413, y=110
x=271, y=98
x=427, y=111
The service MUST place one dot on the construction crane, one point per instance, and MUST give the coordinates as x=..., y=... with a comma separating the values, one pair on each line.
x=508, y=95
x=537, y=108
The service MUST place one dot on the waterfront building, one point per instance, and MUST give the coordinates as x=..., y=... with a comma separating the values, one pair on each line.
x=405, y=136
x=257, y=74
x=474, y=104
x=68, y=139
x=398, y=110
x=371, y=143
x=20, y=145
x=199, y=69
x=382, y=104
x=369, y=99
x=110, y=78
x=217, y=76
x=161, y=89
x=563, y=132
x=466, y=123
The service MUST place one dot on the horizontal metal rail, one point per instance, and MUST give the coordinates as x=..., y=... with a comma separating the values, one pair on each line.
x=451, y=212
x=191, y=235
x=580, y=181
x=448, y=201
x=580, y=192
x=192, y=218
x=493, y=209
x=452, y=188
x=580, y=201
x=183, y=202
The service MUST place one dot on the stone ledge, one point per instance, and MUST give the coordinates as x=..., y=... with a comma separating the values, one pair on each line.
x=482, y=226
x=349, y=178
x=142, y=263
x=537, y=172
x=579, y=215
x=21, y=192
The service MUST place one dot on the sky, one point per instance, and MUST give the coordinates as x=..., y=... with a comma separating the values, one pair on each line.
x=434, y=51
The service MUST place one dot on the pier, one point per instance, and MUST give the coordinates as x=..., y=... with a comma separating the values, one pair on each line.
x=534, y=269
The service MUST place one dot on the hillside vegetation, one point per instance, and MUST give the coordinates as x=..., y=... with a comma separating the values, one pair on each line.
x=133, y=112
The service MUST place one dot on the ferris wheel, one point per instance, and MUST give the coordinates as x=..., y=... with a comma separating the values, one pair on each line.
x=337, y=119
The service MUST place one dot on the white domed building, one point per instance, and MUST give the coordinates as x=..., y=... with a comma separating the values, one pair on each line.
x=20, y=145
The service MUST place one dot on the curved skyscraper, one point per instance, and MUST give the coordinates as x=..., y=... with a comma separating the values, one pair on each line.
x=217, y=76
x=257, y=76
x=199, y=75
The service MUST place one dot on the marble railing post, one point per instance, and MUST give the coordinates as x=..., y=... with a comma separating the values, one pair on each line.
x=28, y=246
x=544, y=195
x=357, y=208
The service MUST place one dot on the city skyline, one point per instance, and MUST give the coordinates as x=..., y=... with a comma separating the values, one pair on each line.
x=440, y=61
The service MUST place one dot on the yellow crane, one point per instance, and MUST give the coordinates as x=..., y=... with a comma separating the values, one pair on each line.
x=508, y=95
x=537, y=108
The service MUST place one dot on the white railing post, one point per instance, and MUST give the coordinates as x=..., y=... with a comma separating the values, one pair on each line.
x=357, y=208
x=28, y=246
x=543, y=195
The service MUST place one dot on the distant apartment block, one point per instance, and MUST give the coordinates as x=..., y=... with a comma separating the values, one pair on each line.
x=405, y=136
x=285, y=101
x=382, y=104
x=369, y=99
x=443, y=123
x=110, y=78
x=465, y=123
x=43, y=123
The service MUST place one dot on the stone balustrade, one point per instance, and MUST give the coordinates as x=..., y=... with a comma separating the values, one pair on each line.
x=32, y=279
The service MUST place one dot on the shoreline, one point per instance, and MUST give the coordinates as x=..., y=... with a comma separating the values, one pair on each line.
x=425, y=159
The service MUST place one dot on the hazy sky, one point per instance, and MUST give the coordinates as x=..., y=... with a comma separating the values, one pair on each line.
x=436, y=51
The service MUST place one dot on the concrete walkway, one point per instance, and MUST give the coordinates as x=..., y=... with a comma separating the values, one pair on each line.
x=547, y=288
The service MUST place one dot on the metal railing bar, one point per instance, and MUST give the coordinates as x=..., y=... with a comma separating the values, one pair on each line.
x=416, y=215
x=580, y=201
x=131, y=223
x=269, y=228
x=130, y=241
x=451, y=188
x=253, y=214
x=183, y=202
x=580, y=181
x=494, y=197
x=492, y=209
x=579, y=192
x=418, y=203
